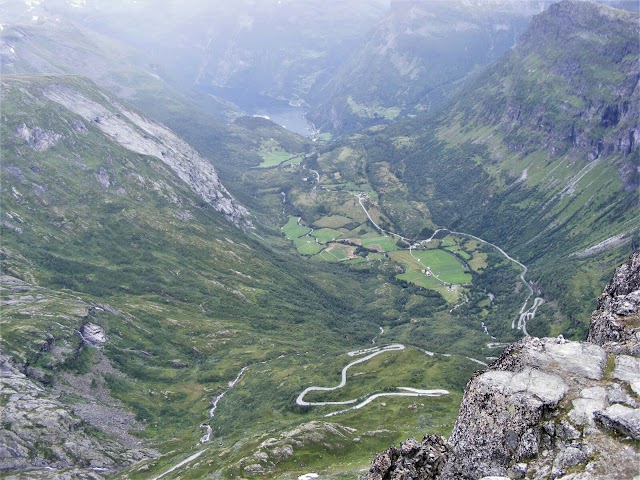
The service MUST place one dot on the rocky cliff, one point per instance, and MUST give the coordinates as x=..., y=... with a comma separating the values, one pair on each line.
x=141, y=135
x=547, y=408
x=571, y=82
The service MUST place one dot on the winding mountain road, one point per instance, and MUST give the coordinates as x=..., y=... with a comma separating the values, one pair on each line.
x=372, y=352
x=182, y=463
x=376, y=351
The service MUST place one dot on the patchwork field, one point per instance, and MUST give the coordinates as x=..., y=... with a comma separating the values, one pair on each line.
x=326, y=235
x=380, y=243
x=333, y=221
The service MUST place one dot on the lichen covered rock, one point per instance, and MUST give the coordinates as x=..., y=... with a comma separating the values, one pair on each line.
x=616, y=322
x=419, y=460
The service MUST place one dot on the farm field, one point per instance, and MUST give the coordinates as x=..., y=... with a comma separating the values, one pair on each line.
x=273, y=159
x=293, y=230
x=274, y=155
x=326, y=235
x=380, y=243
x=333, y=221
x=442, y=264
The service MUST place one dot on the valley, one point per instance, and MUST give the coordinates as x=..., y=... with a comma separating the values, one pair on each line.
x=259, y=240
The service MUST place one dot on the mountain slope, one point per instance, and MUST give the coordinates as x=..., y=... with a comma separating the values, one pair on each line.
x=539, y=153
x=416, y=56
x=547, y=408
x=129, y=304
x=47, y=40
x=126, y=295
x=97, y=214
x=55, y=45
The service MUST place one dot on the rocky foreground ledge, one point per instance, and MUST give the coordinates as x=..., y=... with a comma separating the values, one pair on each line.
x=547, y=408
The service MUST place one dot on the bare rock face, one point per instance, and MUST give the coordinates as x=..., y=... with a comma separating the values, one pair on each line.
x=413, y=459
x=616, y=322
x=548, y=408
x=38, y=138
x=93, y=334
x=141, y=135
x=43, y=436
x=623, y=419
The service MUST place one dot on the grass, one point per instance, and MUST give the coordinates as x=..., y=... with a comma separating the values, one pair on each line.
x=441, y=264
x=451, y=295
x=309, y=247
x=273, y=155
x=336, y=252
x=293, y=230
x=385, y=421
x=198, y=292
x=342, y=252
x=381, y=243
x=273, y=159
x=333, y=221
x=326, y=235
x=458, y=251
x=217, y=300
x=444, y=265
x=325, y=137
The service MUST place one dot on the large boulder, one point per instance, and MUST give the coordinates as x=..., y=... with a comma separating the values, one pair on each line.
x=420, y=460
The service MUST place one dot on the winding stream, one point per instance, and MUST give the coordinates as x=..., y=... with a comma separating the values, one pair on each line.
x=214, y=404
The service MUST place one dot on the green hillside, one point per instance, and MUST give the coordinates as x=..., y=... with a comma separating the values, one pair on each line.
x=97, y=233
x=253, y=303
x=537, y=155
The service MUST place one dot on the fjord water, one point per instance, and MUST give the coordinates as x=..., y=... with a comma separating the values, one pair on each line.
x=279, y=111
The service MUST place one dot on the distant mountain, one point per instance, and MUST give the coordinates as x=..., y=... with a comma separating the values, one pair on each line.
x=416, y=56
x=50, y=40
x=280, y=48
x=53, y=44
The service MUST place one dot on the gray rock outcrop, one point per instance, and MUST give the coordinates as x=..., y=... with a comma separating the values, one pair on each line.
x=616, y=322
x=413, y=459
x=38, y=138
x=551, y=408
x=93, y=334
x=43, y=436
